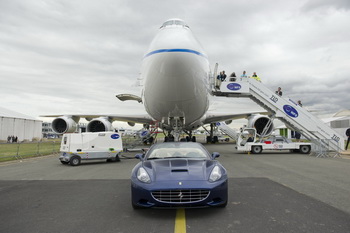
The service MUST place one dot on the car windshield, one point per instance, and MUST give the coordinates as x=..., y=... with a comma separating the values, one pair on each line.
x=177, y=150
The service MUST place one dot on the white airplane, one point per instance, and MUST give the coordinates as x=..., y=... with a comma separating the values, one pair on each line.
x=176, y=87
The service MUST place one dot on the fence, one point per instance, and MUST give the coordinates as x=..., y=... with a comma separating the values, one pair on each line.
x=322, y=148
x=18, y=151
x=13, y=151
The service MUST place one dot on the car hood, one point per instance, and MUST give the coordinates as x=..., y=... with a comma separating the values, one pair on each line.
x=179, y=169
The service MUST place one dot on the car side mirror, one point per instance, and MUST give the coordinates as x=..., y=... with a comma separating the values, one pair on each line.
x=215, y=155
x=139, y=156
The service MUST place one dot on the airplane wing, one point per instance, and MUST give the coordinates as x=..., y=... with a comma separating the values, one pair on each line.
x=215, y=117
x=142, y=119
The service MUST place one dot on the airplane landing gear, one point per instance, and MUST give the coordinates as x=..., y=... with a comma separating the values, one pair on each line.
x=211, y=138
x=191, y=139
x=169, y=138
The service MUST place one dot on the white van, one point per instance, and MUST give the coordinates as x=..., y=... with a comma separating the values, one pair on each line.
x=88, y=146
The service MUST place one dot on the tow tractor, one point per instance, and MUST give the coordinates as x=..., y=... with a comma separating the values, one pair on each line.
x=247, y=142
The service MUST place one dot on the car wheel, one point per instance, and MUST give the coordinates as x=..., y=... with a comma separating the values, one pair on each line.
x=74, y=161
x=305, y=149
x=256, y=149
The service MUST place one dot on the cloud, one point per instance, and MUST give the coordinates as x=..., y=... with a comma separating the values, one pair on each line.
x=314, y=5
x=75, y=56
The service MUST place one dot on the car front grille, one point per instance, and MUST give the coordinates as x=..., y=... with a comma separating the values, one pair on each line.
x=180, y=196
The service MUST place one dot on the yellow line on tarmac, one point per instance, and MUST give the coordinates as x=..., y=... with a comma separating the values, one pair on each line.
x=180, y=221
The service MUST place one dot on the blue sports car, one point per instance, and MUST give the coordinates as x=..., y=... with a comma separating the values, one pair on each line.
x=178, y=174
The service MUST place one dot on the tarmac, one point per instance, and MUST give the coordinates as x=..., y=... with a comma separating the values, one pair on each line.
x=269, y=192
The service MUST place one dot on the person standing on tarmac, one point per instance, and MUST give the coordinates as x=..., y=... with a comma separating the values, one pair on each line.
x=255, y=76
x=348, y=135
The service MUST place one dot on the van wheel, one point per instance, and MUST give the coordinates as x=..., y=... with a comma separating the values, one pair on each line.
x=74, y=161
x=305, y=149
x=256, y=149
x=117, y=159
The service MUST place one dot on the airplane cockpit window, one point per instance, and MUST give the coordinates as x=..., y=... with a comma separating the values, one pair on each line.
x=174, y=22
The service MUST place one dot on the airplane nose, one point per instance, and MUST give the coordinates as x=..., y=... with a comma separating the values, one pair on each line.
x=177, y=75
x=174, y=66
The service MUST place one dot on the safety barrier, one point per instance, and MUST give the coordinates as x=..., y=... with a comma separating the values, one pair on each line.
x=323, y=148
x=21, y=150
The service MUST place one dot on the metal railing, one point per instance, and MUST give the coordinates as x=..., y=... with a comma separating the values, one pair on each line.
x=323, y=148
x=18, y=151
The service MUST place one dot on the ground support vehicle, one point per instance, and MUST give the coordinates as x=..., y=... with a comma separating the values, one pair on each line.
x=76, y=147
x=247, y=142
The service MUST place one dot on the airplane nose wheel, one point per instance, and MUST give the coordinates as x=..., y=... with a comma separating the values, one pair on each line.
x=191, y=139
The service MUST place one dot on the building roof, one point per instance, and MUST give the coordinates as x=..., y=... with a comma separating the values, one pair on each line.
x=342, y=113
x=12, y=114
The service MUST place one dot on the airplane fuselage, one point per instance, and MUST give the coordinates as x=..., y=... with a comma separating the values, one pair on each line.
x=176, y=87
x=176, y=73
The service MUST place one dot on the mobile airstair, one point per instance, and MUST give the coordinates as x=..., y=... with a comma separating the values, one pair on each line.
x=227, y=130
x=284, y=109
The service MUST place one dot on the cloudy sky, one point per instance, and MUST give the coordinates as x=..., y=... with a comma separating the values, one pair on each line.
x=74, y=56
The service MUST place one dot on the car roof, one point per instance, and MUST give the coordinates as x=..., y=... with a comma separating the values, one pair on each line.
x=178, y=144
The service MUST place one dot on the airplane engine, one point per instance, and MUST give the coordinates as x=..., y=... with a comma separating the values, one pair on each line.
x=100, y=124
x=259, y=122
x=64, y=124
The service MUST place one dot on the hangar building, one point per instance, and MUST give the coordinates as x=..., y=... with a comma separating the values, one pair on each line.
x=19, y=125
x=340, y=122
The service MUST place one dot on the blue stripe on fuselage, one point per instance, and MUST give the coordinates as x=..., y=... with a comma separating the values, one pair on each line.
x=175, y=50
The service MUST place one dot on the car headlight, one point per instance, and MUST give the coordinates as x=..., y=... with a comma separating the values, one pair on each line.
x=215, y=174
x=143, y=176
